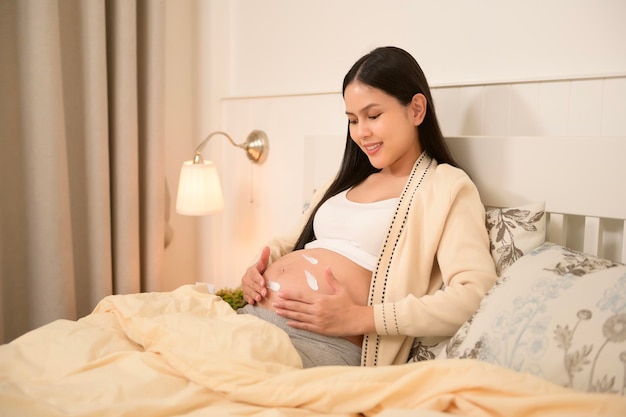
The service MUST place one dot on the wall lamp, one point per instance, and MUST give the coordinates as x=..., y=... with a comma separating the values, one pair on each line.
x=199, y=189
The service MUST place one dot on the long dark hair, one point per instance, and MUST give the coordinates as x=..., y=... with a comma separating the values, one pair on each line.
x=397, y=73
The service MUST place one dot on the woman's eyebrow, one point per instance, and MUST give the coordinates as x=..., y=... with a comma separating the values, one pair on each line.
x=369, y=106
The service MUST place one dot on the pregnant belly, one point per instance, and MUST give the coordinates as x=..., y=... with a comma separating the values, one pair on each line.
x=304, y=272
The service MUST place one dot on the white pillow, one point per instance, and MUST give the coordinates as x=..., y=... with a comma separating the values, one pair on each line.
x=514, y=231
x=556, y=313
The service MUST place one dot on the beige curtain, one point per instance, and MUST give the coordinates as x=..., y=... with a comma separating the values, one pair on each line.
x=81, y=156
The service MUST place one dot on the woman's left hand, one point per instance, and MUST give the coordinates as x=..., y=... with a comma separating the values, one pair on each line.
x=328, y=314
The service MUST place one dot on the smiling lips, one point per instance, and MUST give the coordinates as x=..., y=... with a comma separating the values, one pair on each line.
x=373, y=148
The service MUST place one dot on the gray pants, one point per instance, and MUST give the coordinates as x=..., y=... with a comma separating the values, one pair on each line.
x=314, y=349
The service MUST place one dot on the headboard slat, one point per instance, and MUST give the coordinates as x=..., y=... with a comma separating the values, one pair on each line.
x=556, y=228
x=591, y=238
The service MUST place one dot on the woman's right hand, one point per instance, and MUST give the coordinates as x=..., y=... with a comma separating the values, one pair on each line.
x=253, y=283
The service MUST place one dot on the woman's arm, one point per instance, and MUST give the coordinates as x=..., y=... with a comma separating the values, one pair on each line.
x=252, y=282
x=455, y=257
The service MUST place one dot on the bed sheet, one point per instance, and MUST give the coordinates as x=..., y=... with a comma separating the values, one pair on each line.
x=187, y=353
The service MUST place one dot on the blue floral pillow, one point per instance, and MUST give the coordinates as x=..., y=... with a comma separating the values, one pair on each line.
x=556, y=313
x=513, y=232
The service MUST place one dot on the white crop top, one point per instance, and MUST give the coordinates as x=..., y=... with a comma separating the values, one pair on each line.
x=354, y=230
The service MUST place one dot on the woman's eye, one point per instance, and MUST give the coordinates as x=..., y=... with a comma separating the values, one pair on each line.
x=374, y=117
x=352, y=122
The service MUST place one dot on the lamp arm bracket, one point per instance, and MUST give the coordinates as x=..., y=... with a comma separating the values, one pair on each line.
x=256, y=146
x=197, y=157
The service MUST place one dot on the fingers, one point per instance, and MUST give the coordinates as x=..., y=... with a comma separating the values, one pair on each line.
x=298, y=298
x=300, y=312
x=248, y=292
x=303, y=316
x=264, y=260
x=250, y=295
x=253, y=286
x=253, y=282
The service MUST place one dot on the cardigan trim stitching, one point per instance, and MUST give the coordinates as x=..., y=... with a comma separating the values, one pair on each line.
x=395, y=319
x=366, y=339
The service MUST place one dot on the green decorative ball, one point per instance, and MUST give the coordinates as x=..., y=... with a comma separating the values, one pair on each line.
x=234, y=297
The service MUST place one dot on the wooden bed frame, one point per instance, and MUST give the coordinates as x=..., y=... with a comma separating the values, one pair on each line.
x=582, y=181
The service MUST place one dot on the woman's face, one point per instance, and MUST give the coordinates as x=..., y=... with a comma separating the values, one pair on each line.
x=383, y=128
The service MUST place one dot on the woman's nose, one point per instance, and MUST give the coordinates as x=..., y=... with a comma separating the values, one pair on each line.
x=363, y=131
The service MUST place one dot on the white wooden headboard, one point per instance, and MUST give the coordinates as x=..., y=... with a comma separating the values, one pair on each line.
x=582, y=181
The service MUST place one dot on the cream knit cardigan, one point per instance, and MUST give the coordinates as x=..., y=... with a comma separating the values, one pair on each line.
x=434, y=267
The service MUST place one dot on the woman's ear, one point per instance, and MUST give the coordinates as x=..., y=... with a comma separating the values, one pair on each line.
x=418, y=108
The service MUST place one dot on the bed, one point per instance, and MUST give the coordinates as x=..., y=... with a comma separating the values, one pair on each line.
x=548, y=340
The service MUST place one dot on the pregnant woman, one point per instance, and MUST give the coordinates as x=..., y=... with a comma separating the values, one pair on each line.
x=394, y=248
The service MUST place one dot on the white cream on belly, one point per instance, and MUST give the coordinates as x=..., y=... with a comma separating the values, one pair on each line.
x=273, y=285
x=310, y=259
x=310, y=279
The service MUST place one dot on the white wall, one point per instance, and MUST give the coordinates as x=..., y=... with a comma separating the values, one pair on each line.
x=528, y=68
x=290, y=46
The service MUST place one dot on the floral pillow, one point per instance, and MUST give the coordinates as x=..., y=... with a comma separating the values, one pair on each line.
x=514, y=231
x=556, y=313
x=427, y=348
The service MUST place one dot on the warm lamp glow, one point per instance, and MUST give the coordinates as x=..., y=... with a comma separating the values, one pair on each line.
x=199, y=189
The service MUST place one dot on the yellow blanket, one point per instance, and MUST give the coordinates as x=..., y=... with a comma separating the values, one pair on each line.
x=188, y=353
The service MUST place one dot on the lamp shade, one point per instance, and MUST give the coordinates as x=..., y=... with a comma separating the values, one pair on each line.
x=199, y=189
